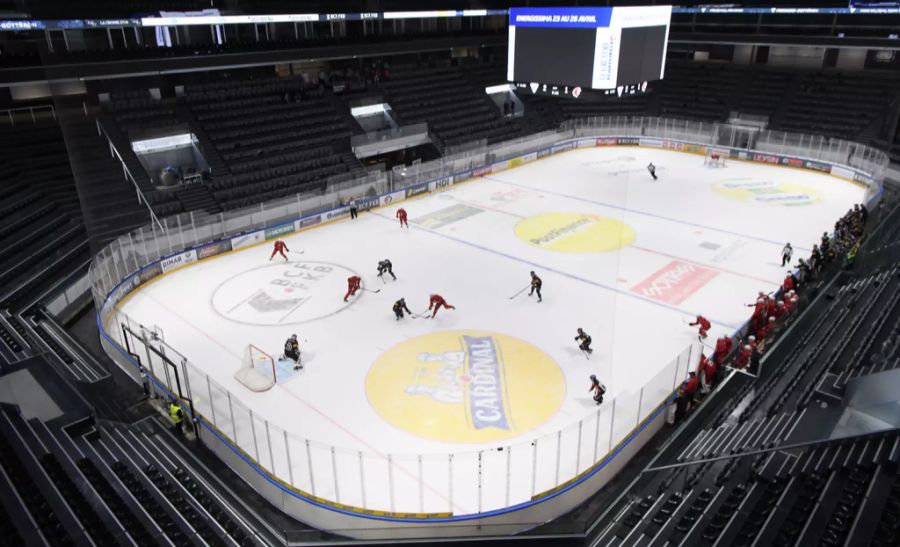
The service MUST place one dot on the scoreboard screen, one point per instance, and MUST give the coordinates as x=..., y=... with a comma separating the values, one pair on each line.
x=593, y=48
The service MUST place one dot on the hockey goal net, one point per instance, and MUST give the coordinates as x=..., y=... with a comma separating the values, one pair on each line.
x=257, y=371
x=715, y=157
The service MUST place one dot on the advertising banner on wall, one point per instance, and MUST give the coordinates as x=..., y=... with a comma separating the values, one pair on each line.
x=179, y=260
x=628, y=141
x=416, y=190
x=463, y=176
x=650, y=142
x=337, y=213
x=607, y=141
x=584, y=143
x=441, y=183
x=150, y=272
x=244, y=240
x=842, y=172
x=529, y=157
x=764, y=158
x=213, y=249
x=387, y=199
x=544, y=152
x=482, y=171
x=817, y=166
x=863, y=178
x=307, y=222
x=364, y=204
x=673, y=145
x=791, y=162
x=562, y=147
x=500, y=166
x=693, y=148
x=280, y=230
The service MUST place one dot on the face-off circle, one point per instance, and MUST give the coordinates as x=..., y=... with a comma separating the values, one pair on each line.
x=285, y=293
x=465, y=386
x=571, y=232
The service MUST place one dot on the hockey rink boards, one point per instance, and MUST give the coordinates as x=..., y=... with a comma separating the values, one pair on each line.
x=628, y=259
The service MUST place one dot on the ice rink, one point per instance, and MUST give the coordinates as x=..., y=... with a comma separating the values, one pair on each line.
x=627, y=259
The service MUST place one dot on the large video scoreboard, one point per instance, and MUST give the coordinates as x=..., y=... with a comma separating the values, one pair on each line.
x=591, y=48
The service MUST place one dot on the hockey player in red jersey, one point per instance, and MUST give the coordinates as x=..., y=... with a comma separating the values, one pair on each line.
x=788, y=283
x=707, y=373
x=401, y=214
x=353, y=283
x=280, y=248
x=703, y=324
x=723, y=347
x=436, y=301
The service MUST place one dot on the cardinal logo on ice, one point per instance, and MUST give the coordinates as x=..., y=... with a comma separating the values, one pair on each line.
x=473, y=377
x=465, y=386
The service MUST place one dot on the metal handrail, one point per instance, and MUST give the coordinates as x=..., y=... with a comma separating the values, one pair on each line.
x=141, y=198
x=10, y=112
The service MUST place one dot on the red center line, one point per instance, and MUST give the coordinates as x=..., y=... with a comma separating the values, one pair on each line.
x=768, y=282
x=310, y=406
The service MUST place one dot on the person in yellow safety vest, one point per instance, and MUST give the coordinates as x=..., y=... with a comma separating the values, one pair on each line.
x=177, y=416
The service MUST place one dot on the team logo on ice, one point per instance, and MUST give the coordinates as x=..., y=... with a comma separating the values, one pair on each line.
x=768, y=192
x=282, y=293
x=465, y=386
x=570, y=232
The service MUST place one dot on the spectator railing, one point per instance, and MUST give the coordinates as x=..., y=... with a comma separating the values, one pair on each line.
x=28, y=114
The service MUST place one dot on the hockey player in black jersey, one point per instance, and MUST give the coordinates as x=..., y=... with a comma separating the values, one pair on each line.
x=399, y=307
x=597, y=389
x=386, y=266
x=584, y=341
x=292, y=351
x=536, y=284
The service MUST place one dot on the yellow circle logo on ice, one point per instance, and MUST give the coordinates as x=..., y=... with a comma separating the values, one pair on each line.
x=465, y=386
x=575, y=232
x=768, y=192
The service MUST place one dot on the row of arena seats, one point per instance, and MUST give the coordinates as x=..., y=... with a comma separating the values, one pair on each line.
x=268, y=127
x=110, y=483
x=42, y=224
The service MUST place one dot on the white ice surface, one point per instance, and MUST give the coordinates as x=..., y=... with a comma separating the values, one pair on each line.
x=477, y=263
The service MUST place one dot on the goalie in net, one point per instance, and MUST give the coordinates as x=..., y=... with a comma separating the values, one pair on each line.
x=257, y=372
x=715, y=157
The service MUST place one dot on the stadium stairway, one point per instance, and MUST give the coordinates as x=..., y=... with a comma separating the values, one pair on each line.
x=216, y=164
x=197, y=197
x=109, y=202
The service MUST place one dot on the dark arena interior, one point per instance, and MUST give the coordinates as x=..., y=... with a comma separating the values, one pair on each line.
x=145, y=143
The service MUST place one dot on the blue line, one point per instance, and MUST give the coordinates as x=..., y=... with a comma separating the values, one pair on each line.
x=627, y=210
x=559, y=272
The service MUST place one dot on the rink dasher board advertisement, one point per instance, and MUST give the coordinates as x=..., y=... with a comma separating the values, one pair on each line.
x=209, y=249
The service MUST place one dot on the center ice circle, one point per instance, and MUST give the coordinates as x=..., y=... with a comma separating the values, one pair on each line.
x=571, y=232
x=465, y=386
x=283, y=293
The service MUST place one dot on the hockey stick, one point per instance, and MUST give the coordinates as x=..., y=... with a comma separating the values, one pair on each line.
x=296, y=252
x=586, y=354
x=381, y=277
x=370, y=290
x=520, y=292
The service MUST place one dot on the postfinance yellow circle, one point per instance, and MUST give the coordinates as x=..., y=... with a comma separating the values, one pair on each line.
x=768, y=192
x=571, y=232
x=465, y=386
